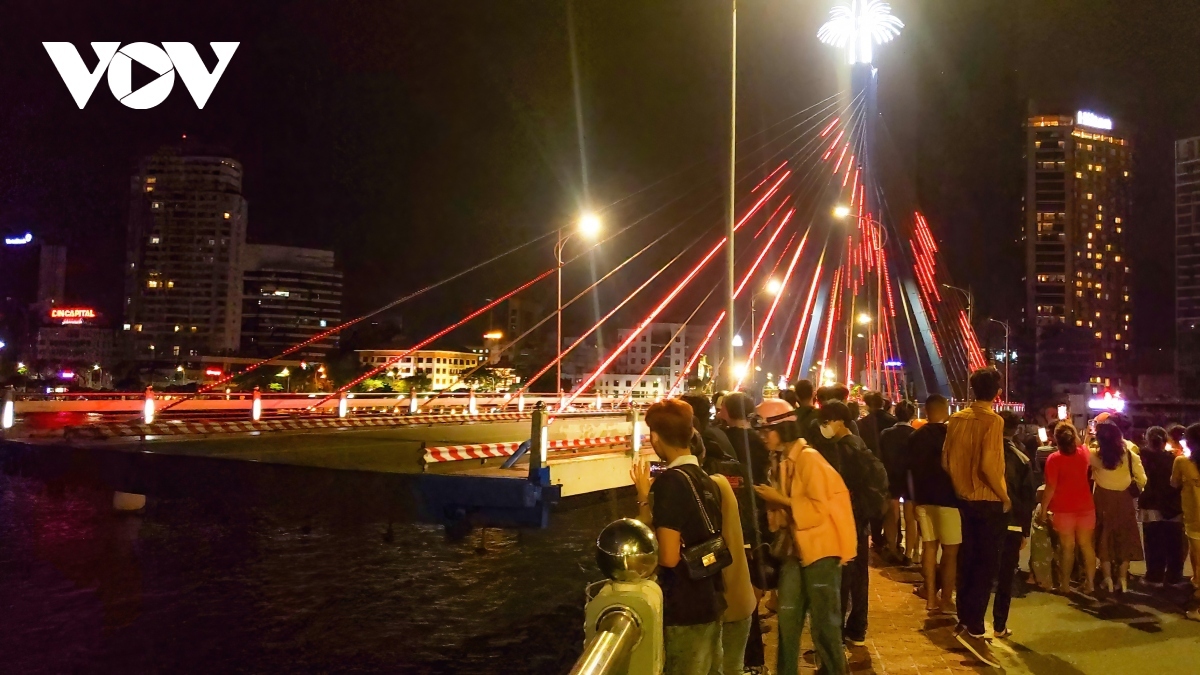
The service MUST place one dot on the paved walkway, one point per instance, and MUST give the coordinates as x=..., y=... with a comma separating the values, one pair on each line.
x=1055, y=635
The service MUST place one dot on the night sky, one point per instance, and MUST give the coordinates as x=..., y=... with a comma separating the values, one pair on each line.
x=416, y=137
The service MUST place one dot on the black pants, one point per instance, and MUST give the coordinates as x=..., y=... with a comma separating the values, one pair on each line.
x=983, y=526
x=1010, y=556
x=755, y=655
x=1164, y=551
x=855, y=589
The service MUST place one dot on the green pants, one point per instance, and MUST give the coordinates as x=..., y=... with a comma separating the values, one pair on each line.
x=814, y=591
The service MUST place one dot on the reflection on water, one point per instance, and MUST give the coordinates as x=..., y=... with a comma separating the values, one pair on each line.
x=198, y=586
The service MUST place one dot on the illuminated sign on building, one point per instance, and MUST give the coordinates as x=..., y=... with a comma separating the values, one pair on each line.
x=1091, y=119
x=18, y=241
x=72, y=315
x=1109, y=402
x=212, y=372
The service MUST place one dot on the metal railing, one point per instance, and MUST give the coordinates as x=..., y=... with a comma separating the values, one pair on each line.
x=608, y=651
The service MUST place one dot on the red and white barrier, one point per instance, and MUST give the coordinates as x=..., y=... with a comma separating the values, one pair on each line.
x=176, y=428
x=457, y=453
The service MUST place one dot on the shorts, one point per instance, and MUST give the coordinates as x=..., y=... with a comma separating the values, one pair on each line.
x=1068, y=523
x=940, y=523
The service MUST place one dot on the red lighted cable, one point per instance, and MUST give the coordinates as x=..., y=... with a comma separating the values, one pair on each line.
x=775, y=302
x=645, y=322
x=699, y=351
x=427, y=341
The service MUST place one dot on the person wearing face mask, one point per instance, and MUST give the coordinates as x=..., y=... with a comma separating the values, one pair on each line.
x=813, y=522
x=866, y=478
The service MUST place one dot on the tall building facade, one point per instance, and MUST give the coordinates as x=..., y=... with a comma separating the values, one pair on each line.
x=1187, y=266
x=662, y=351
x=290, y=295
x=1077, y=207
x=184, y=241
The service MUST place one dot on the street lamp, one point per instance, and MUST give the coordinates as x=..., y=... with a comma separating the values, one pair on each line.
x=1007, y=355
x=841, y=212
x=773, y=288
x=288, y=374
x=970, y=301
x=589, y=226
x=864, y=319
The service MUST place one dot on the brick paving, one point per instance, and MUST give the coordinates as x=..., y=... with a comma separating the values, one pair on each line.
x=902, y=639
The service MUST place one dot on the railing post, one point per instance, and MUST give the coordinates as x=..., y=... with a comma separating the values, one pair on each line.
x=148, y=406
x=342, y=405
x=412, y=402
x=256, y=406
x=538, y=441
x=8, y=412
x=521, y=403
x=635, y=438
x=472, y=408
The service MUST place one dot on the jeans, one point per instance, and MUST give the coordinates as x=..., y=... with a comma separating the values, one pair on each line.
x=814, y=591
x=692, y=650
x=733, y=647
x=983, y=528
x=1164, y=551
x=855, y=591
x=1010, y=556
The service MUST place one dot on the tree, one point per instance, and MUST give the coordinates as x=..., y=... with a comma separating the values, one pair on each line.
x=417, y=383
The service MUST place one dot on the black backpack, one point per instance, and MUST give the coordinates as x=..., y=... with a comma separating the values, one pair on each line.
x=867, y=480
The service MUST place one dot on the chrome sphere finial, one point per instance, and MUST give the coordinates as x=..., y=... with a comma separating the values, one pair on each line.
x=627, y=550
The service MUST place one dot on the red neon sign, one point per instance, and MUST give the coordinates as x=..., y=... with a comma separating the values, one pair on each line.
x=212, y=372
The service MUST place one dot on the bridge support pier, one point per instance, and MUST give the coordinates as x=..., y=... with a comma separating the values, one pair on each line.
x=126, y=502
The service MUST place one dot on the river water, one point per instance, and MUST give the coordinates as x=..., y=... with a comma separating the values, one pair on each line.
x=204, y=586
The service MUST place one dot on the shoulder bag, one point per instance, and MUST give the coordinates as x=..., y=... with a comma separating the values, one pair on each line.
x=706, y=558
x=1133, y=488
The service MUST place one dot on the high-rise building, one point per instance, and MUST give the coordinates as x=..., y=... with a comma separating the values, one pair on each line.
x=1077, y=206
x=290, y=295
x=183, y=274
x=1187, y=266
x=52, y=275
x=662, y=351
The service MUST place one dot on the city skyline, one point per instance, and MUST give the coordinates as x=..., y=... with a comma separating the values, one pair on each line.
x=546, y=154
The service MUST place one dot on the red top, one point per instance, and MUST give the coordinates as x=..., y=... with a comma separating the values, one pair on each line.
x=1069, y=476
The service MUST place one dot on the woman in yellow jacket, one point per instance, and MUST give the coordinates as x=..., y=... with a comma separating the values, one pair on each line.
x=813, y=522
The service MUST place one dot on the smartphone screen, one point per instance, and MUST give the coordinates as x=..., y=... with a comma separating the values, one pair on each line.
x=657, y=468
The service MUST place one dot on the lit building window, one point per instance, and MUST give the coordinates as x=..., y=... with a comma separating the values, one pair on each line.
x=1089, y=195
x=226, y=215
x=152, y=284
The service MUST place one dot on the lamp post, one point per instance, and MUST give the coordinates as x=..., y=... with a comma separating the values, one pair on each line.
x=589, y=226
x=843, y=212
x=970, y=301
x=730, y=258
x=772, y=289
x=1007, y=355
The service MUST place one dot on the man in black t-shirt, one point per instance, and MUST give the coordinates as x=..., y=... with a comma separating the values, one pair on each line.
x=692, y=608
x=937, y=506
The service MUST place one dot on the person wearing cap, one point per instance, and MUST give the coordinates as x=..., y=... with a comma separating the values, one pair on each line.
x=866, y=479
x=813, y=522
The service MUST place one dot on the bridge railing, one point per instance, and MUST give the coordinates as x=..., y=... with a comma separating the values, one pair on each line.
x=610, y=648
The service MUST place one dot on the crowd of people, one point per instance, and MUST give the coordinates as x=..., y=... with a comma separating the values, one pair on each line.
x=780, y=505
